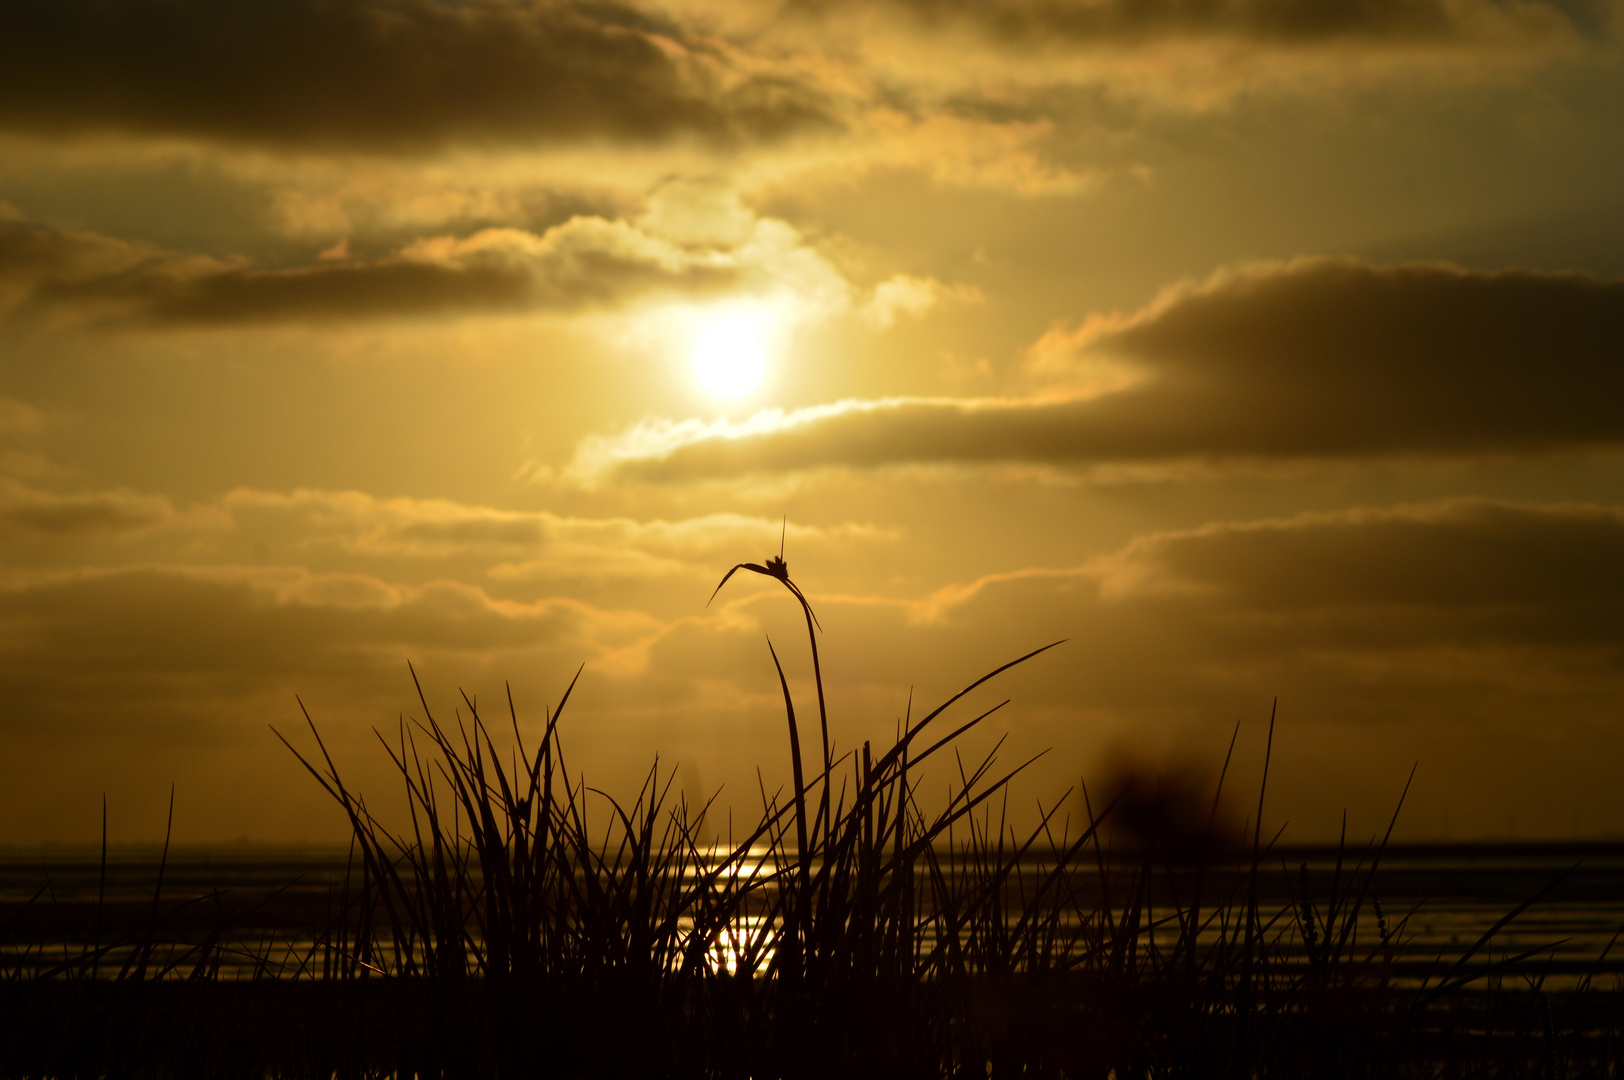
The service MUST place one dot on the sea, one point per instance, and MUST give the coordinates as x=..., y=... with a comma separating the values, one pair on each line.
x=1547, y=913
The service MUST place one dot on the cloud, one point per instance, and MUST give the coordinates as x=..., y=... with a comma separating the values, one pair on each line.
x=850, y=433
x=1021, y=23
x=45, y=532
x=1388, y=634
x=31, y=255
x=20, y=418
x=29, y=512
x=1460, y=554
x=955, y=147
x=1317, y=358
x=238, y=623
x=1040, y=94
x=387, y=76
x=115, y=604
x=1441, y=601
x=1337, y=356
x=905, y=296
x=529, y=544
x=582, y=264
x=1460, y=615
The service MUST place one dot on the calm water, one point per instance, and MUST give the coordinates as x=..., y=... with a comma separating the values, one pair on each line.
x=1438, y=900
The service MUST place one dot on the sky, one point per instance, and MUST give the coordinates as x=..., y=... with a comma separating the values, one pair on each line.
x=1263, y=350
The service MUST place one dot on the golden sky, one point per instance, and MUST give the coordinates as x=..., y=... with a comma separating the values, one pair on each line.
x=1258, y=347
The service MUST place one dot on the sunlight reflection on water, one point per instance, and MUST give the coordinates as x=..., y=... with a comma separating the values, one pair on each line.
x=744, y=946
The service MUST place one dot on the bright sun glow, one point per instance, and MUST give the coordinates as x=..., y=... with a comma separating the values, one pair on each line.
x=730, y=352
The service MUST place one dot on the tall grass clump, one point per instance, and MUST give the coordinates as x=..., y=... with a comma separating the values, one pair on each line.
x=524, y=909
x=516, y=922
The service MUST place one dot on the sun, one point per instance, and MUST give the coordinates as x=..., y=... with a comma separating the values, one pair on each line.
x=730, y=352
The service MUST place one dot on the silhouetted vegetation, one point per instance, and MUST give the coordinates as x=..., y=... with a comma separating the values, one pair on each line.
x=522, y=924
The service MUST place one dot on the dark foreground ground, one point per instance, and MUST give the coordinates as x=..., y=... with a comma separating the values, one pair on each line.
x=284, y=964
x=281, y=1028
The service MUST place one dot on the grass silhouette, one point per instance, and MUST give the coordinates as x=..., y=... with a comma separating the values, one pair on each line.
x=525, y=924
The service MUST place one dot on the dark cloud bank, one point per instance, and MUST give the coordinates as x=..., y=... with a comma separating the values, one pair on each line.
x=85, y=277
x=1460, y=570
x=1455, y=614
x=1318, y=358
x=375, y=75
